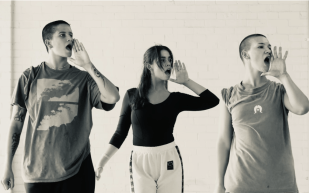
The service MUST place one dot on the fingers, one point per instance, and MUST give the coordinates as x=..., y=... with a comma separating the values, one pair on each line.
x=179, y=66
x=12, y=183
x=275, y=52
x=74, y=47
x=184, y=66
x=172, y=80
x=98, y=173
x=77, y=45
x=280, y=52
x=175, y=66
x=5, y=184
x=82, y=47
x=265, y=73
x=285, y=55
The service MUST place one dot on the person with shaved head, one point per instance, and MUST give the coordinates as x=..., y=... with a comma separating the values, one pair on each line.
x=254, y=153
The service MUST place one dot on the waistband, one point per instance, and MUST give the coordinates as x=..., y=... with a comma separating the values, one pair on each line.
x=156, y=149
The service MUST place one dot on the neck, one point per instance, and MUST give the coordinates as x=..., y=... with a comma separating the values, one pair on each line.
x=253, y=77
x=57, y=62
x=157, y=85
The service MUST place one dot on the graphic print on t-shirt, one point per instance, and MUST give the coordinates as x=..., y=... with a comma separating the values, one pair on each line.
x=257, y=108
x=60, y=98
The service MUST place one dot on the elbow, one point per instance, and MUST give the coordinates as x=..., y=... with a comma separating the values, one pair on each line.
x=116, y=98
x=217, y=101
x=110, y=99
x=303, y=110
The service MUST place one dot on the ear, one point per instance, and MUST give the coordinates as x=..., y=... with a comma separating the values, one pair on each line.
x=245, y=55
x=48, y=43
x=149, y=66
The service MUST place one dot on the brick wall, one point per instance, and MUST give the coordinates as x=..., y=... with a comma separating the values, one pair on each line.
x=204, y=35
x=5, y=75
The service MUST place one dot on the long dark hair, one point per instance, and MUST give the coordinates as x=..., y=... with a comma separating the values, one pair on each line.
x=151, y=55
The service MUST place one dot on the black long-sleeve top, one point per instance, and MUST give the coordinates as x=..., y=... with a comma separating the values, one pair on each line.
x=153, y=124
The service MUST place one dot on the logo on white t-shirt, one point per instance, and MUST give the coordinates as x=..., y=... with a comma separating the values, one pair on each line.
x=257, y=108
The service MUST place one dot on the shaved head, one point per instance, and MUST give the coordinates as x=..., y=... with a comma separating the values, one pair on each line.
x=245, y=43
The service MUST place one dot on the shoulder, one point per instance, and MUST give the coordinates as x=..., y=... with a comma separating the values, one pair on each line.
x=227, y=93
x=132, y=91
x=31, y=71
x=276, y=86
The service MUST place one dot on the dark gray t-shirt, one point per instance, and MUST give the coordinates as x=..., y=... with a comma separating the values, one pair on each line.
x=261, y=157
x=59, y=104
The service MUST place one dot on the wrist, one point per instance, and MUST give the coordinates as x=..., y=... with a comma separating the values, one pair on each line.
x=103, y=161
x=186, y=83
x=7, y=165
x=88, y=66
x=283, y=76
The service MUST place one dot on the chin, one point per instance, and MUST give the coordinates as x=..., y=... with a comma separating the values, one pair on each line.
x=67, y=55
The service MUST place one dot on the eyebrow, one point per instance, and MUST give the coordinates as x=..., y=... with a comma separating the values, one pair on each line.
x=65, y=32
x=264, y=44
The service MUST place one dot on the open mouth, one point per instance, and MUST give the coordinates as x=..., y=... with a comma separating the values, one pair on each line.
x=267, y=60
x=69, y=47
x=168, y=72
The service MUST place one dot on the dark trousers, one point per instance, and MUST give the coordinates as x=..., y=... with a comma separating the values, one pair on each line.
x=82, y=182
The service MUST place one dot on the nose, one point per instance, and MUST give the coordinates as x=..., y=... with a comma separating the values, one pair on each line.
x=268, y=50
x=167, y=64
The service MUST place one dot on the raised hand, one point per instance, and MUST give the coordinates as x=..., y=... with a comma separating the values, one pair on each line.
x=277, y=64
x=81, y=56
x=181, y=73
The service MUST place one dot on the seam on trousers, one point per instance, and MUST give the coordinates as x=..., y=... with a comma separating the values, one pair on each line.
x=131, y=174
x=181, y=169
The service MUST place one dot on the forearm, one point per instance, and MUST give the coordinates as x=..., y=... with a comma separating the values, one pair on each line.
x=16, y=126
x=222, y=162
x=195, y=87
x=297, y=98
x=109, y=92
x=105, y=157
x=12, y=143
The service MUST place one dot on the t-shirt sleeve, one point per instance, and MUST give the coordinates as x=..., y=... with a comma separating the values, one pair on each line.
x=206, y=100
x=124, y=123
x=226, y=94
x=282, y=93
x=18, y=96
x=95, y=95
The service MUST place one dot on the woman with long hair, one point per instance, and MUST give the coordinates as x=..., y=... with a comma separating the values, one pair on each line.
x=155, y=163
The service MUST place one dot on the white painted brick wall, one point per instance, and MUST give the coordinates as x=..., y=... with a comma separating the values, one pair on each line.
x=203, y=34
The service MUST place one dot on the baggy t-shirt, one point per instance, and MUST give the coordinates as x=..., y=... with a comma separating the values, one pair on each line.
x=59, y=104
x=261, y=157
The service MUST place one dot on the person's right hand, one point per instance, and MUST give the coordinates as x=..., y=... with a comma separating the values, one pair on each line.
x=8, y=179
x=219, y=189
x=98, y=172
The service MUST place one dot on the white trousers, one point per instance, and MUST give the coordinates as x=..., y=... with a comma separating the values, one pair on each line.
x=156, y=169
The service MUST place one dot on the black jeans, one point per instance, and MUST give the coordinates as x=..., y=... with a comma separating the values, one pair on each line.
x=82, y=182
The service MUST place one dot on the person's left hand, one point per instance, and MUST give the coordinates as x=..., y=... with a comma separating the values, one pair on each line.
x=277, y=64
x=81, y=56
x=181, y=73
